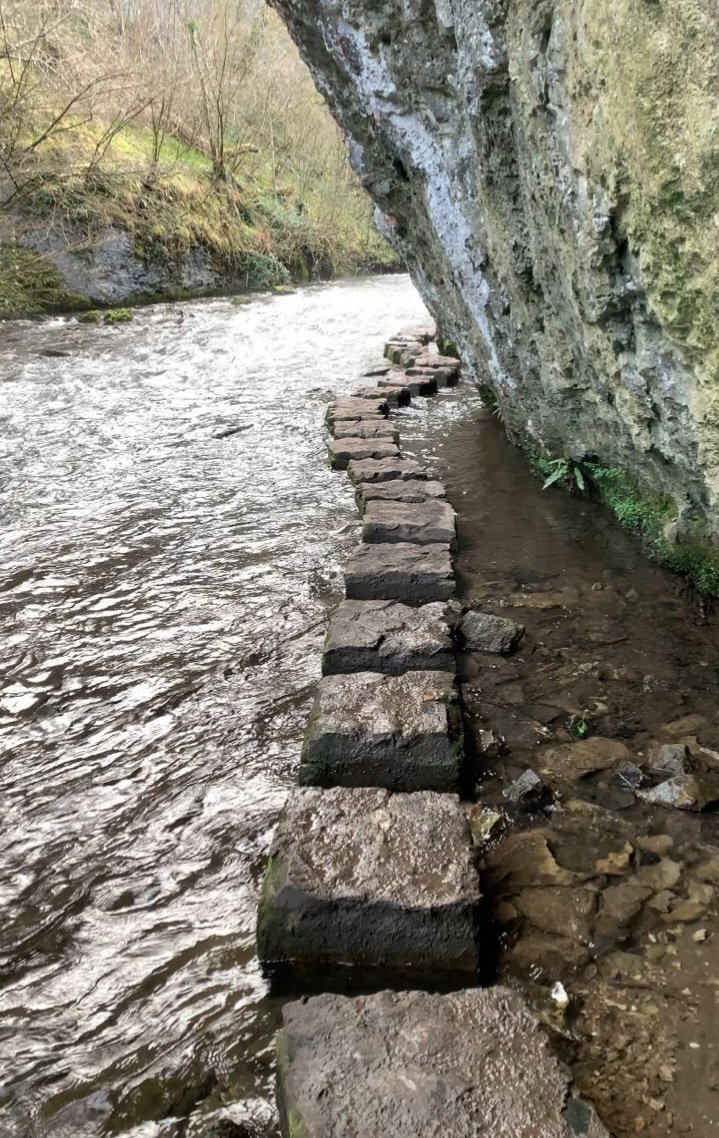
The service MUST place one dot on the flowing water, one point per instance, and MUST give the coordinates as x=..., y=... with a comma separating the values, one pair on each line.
x=163, y=598
x=165, y=587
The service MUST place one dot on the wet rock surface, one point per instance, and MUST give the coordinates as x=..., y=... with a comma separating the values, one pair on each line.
x=357, y=877
x=386, y=470
x=413, y=574
x=399, y=490
x=342, y=451
x=423, y=523
x=366, y=430
x=388, y=637
x=472, y=1064
x=483, y=632
x=402, y=732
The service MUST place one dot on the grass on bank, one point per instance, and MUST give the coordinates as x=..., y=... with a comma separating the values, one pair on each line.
x=259, y=230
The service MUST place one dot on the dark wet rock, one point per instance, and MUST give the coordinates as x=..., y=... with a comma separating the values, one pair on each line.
x=376, y=370
x=396, y=394
x=397, y=491
x=629, y=775
x=686, y=792
x=345, y=450
x=414, y=574
x=358, y=877
x=672, y=759
x=620, y=905
x=483, y=632
x=442, y=376
x=573, y=761
x=422, y=523
x=527, y=792
x=379, y=429
x=558, y=910
x=357, y=409
x=400, y=732
x=388, y=637
x=522, y=860
x=471, y=1064
x=228, y=432
x=416, y=385
x=372, y=471
x=486, y=825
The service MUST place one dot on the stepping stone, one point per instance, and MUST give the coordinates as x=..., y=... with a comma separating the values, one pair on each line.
x=413, y=574
x=419, y=333
x=388, y=637
x=386, y=470
x=469, y=1064
x=434, y=361
x=398, y=393
x=418, y=385
x=401, y=732
x=379, y=429
x=409, y=490
x=376, y=370
x=422, y=522
x=443, y=376
x=355, y=408
x=343, y=451
x=371, y=879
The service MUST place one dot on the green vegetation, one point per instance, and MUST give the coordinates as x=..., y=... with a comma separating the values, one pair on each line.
x=203, y=133
x=650, y=517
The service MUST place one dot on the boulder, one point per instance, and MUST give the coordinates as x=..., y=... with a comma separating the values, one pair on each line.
x=422, y=523
x=345, y=450
x=414, y=574
x=386, y=470
x=368, y=729
x=483, y=632
x=468, y=1064
x=388, y=637
x=358, y=877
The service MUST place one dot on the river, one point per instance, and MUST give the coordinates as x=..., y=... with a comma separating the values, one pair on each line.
x=165, y=589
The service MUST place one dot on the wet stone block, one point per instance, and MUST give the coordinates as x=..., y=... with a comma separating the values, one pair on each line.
x=379, y=429
x=343, y=451
x=398, y=393
x=359, y=877
x=435, y=361
x=397, y=491
x=444, y=377
x=355, y=409
x=470, y=1064
x=370, y=394
x=423, y=523
x=388, y=637
x=401, y=732
x=416, y=385
x=372, y=471
x=414, y=574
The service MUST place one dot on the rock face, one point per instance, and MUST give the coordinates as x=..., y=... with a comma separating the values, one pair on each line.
x=545, y=169
x=472, y=1064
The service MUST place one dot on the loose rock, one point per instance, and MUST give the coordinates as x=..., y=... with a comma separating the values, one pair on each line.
x=483, y=632
x=528, y=791
x=471, y=1064
x=686, y=792
x=401, y=732
x=423, y=523
x=357, y=877
x=387, y=637
x=414, y=574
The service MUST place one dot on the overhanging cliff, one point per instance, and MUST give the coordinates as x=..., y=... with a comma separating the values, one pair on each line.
x=548, y=170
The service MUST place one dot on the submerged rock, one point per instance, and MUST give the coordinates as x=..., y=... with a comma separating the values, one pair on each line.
x=483, y=632
x=685, y=792
x=528, y=791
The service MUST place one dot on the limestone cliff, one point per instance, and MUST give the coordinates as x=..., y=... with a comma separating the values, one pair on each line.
x=548, y=169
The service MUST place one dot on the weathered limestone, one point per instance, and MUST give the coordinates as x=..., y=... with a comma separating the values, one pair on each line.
x=345, y=450
x=401, y=732
x=378, y=429
x=471, y=1064
x=421, y=522
x=358, y=877
x=414, y=574
x=398, y=490
x=371, y=471
x=388, y=637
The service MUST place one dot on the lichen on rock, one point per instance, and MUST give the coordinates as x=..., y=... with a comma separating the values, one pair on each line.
x=547, y=170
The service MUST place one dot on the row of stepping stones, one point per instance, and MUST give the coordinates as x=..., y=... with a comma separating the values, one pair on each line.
x=372, y=866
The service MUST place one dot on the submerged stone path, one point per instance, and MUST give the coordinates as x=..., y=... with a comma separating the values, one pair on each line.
x=372, y=865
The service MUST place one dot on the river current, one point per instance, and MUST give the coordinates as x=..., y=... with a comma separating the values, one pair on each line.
x=164, y=587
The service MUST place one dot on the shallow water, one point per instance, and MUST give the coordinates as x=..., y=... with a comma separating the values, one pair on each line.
x=163, y=597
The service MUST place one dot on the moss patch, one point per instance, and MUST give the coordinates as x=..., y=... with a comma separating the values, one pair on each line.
x=30, y=285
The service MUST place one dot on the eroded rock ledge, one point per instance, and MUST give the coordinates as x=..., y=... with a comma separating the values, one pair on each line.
x=544, y=167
